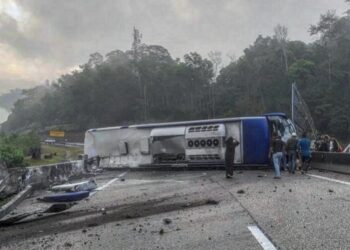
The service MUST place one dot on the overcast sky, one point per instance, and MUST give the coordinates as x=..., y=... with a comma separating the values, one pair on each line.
x=41, y=39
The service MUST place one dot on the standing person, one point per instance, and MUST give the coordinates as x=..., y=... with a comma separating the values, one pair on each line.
x=291, y=148
x=231, y=145
x=98, y=159
x=277, y=149
x=318, y=142
x=322, y=143
x=325, y=144
x=304, y=147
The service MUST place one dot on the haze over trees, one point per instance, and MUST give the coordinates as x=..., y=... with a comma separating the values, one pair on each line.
x=145, y=84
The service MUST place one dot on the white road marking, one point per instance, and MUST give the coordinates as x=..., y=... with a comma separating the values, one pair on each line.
x=110, y=182
x=107, y=184
x=264, y=242
x=329, y=179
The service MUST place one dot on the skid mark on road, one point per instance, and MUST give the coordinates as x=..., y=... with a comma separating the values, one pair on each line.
x=264, y=242
x=329, y=179
x=77, y=220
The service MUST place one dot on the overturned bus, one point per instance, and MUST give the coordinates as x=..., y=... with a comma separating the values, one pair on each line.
x=200, y=142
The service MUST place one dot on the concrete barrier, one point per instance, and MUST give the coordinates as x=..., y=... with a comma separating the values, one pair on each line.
x=46, y=175
x=22, y=181
x=337, y=162
x=41, y=176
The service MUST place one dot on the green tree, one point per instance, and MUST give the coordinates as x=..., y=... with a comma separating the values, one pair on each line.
x=302, y=70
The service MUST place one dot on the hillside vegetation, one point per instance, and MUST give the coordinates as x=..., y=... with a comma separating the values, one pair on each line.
x=145, y=84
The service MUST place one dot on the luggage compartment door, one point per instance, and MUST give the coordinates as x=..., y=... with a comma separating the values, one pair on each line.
x=256, y=141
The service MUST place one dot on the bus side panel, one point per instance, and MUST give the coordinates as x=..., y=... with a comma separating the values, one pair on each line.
x=256, y=141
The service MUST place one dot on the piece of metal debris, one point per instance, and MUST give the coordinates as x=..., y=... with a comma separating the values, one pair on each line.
x=212, y=202
x=167, y=221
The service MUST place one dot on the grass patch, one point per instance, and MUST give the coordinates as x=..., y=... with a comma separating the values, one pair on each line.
x=59, y=154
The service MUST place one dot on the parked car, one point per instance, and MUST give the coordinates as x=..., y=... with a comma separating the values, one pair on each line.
x=50, y=141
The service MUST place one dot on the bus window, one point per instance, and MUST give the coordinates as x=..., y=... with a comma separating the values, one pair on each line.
x=290, y=126
x=277, y=125
x=281, y=126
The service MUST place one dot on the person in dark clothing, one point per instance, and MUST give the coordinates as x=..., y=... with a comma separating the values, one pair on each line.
x=231, y=145
x=325, y=144
x=291, y=148
x=98, y=159
x=277, y=149
x=318, y=142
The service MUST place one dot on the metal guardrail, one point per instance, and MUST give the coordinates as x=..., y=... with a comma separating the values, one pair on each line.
x=337, y=162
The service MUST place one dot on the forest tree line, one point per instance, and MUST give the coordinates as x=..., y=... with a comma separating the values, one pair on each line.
x=145, y=84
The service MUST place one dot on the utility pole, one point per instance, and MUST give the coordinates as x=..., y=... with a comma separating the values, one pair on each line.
x=137, y=57
x=292, y=102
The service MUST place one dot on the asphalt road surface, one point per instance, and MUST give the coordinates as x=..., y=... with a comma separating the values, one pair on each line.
x=195, y=210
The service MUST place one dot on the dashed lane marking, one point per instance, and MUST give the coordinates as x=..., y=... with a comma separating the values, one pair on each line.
x=264, y=242
x=107, y=184
x=329, y=179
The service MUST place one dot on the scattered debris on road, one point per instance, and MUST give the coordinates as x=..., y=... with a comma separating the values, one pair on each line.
x=167, y=221
x=212, y=202
x=92, y=225
x=74, y=187
x=241, y=191
x=54, y=208
x=65, y=197
x=68, y=244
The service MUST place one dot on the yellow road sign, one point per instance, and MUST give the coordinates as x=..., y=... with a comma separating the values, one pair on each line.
x=56, y=133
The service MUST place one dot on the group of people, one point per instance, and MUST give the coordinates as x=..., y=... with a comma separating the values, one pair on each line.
x=326, y=143
x=280, y=152
x=291, y=150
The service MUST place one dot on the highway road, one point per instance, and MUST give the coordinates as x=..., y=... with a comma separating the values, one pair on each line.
x=196, y=210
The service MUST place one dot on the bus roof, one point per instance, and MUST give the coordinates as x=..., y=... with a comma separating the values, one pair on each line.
x=181, y=123
x=276, y=114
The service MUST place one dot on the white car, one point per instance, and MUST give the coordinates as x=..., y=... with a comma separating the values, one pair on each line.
x=50, y=141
